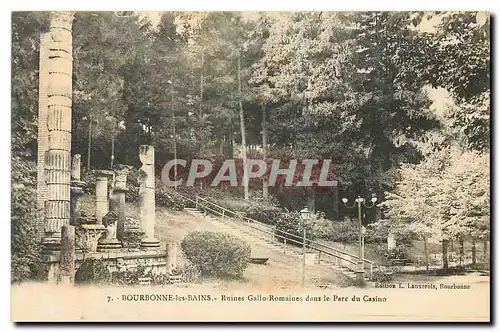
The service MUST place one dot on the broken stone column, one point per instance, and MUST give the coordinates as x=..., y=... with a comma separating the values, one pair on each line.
x=76, y=189
x=68, y=256
x=101, y=197
x=147, y=196
x=58, y=123
x=117, y=201
x=43, y=140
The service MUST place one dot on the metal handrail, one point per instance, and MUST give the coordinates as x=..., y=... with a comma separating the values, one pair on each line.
x=294, y=235
x=270, y=230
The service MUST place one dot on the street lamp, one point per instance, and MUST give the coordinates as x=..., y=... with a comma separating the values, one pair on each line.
x=359, y=201
x=305, y=216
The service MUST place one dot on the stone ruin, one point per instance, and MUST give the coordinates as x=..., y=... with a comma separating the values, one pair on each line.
x=69, y=238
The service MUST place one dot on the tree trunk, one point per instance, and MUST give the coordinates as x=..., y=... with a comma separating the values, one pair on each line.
x=335, y=208
x=474, y=251
x=231, y=141
x=200, y=110
x=242, y=129
x=265, y=183
x=112, y=151
x=426, y=253
x=485, y=250
x=461, y=250
x=90, y=144
x=445, y=255
x=311, y=200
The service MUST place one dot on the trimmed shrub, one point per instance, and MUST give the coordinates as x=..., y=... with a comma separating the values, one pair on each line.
x=92, y=271
x=216, y=254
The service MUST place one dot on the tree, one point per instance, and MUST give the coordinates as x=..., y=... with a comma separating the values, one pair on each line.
x=446, y=195
x=456, y=57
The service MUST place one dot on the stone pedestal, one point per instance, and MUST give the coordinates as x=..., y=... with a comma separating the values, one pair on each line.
x=147, y=197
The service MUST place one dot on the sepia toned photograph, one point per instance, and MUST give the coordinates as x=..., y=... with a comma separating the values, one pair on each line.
x=222, y=166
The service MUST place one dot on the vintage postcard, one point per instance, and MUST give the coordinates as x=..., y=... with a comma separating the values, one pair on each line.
x=250, y=166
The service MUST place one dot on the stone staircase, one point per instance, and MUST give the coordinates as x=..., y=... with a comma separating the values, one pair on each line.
x=259, y=239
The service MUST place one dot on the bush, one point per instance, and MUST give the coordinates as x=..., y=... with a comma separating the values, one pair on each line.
x=289, y=225
x=216, y=254
x=190, y=272
x=381, y=276
x=25, y=247
x=400, y=252
x=264, y=210
x=346, y=231
x=89, y=177
x=168, y=197
x=92, y=271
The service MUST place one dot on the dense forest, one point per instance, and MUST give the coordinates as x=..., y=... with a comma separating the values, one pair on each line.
x=350, y=87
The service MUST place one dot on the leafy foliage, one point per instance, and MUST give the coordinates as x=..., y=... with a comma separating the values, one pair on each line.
x=92, y=271
x=25, y=219
x=216, y=254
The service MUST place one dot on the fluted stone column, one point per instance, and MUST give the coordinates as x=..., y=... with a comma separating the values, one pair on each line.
x=147, y=196
x=43, y=140
x=101, y=197
x=58, y=121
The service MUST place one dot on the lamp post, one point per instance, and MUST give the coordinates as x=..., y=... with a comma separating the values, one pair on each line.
x=304, y=215
x=359, y=202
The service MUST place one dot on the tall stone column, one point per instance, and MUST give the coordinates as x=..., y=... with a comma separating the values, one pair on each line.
x=76, y=189
x=58, y=121
x=147, y=196
x=101, y=197
x=43, y=140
